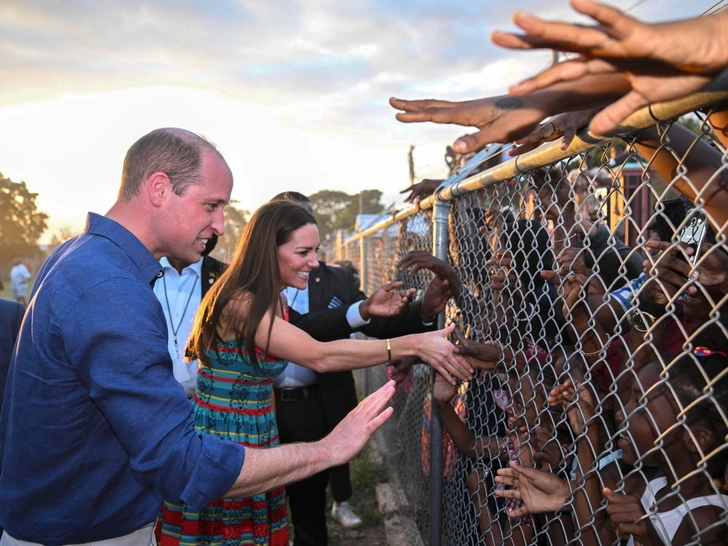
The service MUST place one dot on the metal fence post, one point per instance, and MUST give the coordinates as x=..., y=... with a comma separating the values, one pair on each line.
x=439, y=249
x=364, y=284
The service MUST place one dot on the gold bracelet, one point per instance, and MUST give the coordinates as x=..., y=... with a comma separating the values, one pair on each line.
x=590, y=355
x=389, y=351
x=564, y=239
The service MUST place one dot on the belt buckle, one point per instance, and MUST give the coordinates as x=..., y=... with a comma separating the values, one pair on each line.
x=287, y=395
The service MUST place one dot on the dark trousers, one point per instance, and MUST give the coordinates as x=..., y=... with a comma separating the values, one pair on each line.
x=303, y=420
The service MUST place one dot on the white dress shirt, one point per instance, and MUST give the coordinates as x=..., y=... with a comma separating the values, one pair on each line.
x=180, y=296
x=295, y=375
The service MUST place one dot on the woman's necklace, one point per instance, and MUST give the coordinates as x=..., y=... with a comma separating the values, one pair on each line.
x=169, y=310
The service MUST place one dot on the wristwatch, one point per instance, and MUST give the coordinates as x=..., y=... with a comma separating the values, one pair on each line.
x=642, y=320
x=646, y=315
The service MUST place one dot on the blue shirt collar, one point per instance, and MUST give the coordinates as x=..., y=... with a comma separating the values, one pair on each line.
x=149, y=267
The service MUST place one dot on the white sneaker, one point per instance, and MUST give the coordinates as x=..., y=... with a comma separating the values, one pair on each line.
x=345, y=516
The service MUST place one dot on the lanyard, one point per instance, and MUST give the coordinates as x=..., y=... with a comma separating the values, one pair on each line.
x=179, y=324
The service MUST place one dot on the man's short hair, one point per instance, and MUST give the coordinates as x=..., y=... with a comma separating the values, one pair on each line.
x=175, y=152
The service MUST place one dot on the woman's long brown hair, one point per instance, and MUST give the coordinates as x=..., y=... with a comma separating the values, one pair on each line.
x=253, y=273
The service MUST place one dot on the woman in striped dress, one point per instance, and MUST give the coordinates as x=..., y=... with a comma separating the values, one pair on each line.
x=245, y=310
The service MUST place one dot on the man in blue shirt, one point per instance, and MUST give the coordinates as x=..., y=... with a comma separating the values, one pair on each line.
x=95, y=430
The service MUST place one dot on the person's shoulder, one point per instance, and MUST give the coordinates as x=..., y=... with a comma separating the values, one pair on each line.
x=213, y=264
x=333, y=272
x=10, y=308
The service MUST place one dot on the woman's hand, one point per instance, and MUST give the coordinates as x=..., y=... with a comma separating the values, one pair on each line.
x=434, y=349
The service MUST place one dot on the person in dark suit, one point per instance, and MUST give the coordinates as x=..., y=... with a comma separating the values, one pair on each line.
x=180, y=292
x=11, y=315
x=310, y=405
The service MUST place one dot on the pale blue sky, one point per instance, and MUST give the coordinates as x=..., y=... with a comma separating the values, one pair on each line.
x=294, y=92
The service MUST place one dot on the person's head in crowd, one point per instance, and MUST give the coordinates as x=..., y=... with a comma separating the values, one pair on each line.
x=618, y=151
x=349, y=266
x=661, y=398
x=174, y=186
x=529, y=246
x=276, y=249
x=467, y=243
x=294, y=197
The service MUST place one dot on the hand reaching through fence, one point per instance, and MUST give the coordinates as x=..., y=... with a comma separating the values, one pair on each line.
x=479, y=355
x=627, y=516
x=661, y=61
x=435, y=298
x=540, y=491
x=417, y=260
x=711, y=270
x=562, y=126
x=386, y=301
x=398, y=370
x=579, y=407
x=421, y=190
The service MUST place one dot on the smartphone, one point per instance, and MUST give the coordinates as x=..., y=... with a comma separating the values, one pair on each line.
x=693, y=234
x=673, y=213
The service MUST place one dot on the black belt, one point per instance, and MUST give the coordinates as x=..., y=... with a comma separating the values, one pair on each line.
x=291, y=394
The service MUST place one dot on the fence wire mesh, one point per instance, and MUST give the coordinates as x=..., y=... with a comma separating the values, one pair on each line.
x=594, y=288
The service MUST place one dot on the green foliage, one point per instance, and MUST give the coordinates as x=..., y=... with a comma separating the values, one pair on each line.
x=21, y=224
x=235, y=221
x=338, y=210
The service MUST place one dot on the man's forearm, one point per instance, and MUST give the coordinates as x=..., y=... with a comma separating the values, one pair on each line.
x=266, y=469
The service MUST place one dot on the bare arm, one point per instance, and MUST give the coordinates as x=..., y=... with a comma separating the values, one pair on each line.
x=505, y=118
x=695, y=164
x=266, y=469
x=290, y=343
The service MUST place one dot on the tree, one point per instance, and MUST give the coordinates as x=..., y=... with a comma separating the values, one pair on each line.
x=21, y=224
x=235, y=221
x=338, y=210
x=370, y=204
x=327, y=206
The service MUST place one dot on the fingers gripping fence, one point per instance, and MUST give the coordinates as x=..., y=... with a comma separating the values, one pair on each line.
x=592, y=296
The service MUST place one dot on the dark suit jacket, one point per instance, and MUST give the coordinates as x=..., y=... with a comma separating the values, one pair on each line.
x=11, y=315
x=211, y=271
x=335, y=286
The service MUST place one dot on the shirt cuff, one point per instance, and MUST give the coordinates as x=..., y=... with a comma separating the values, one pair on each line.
x=215, y=473
x=353, y=316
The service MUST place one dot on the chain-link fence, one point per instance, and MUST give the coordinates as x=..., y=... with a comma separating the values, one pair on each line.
x=591, y=288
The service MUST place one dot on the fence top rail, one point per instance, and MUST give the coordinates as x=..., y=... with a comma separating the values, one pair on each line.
x=548, y=154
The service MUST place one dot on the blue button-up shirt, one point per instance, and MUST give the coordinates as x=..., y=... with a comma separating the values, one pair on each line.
x=95, y=430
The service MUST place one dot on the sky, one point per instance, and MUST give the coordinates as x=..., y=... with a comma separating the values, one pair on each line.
x=294, y=93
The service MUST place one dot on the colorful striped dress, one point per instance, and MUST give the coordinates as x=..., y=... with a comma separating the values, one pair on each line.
x=233, y=402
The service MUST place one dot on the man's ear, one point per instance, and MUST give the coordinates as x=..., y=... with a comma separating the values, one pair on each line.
x=158, y=187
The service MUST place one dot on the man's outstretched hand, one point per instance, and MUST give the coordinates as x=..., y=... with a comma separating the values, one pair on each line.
x=353, y=432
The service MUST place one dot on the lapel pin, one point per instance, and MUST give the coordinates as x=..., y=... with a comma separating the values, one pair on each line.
x=317, y=279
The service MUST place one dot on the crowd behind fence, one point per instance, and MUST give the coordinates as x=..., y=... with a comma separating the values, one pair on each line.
x=596, y=291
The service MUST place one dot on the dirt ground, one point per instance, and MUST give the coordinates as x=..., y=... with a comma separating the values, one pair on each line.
x=366, y=472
